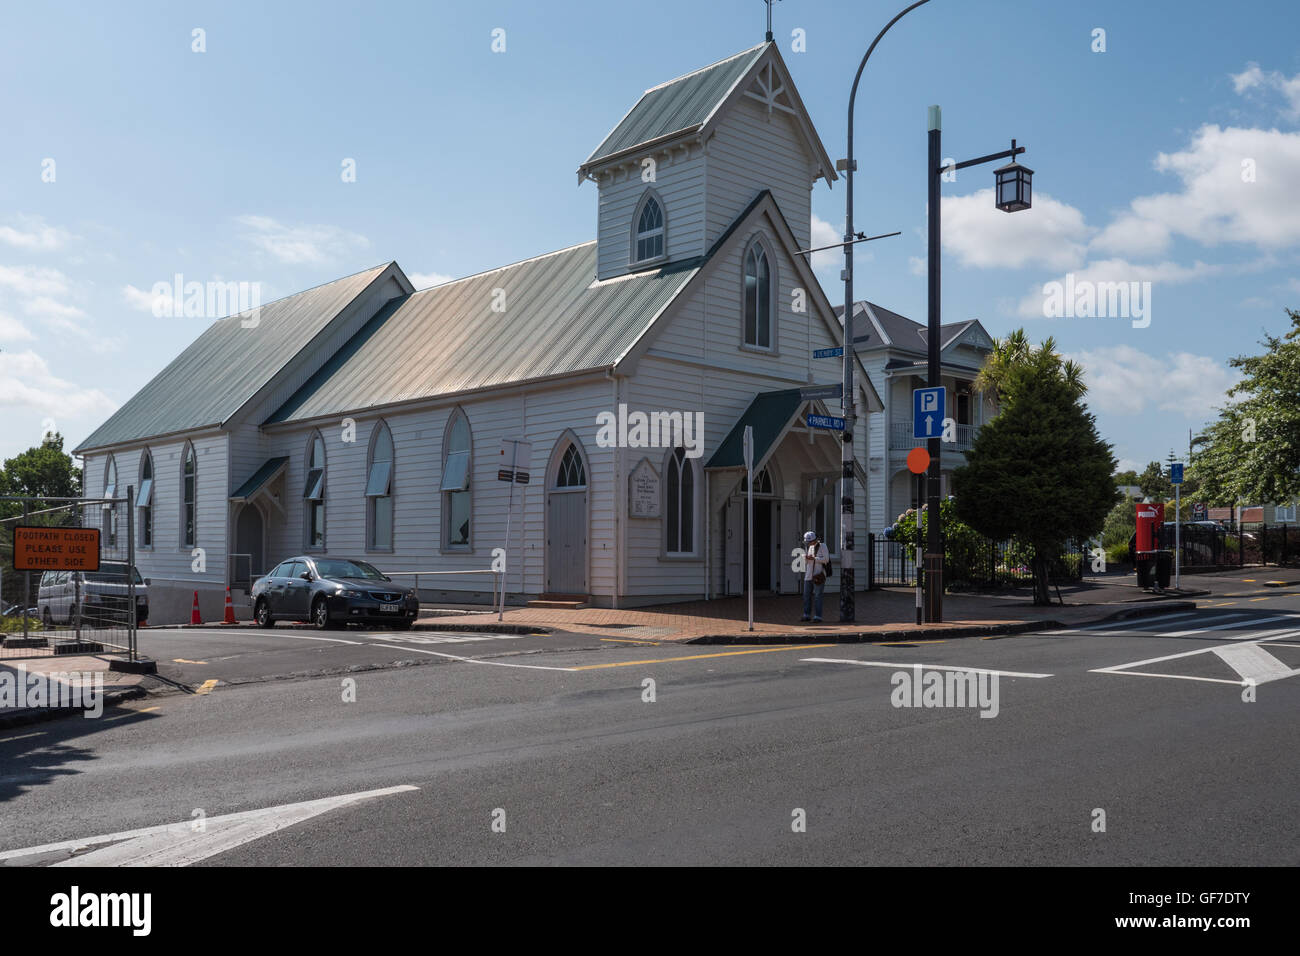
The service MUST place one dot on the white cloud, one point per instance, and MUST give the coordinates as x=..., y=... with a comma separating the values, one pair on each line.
x=917, y=265
x=824, y=234
x=425, y=280
x=1121, y=270
x=1127, y=381
x=1253, y=78
x=11, y=330
x=28, y=386
x=1216, y=203
x=311, y=244
x=1052, y=234
x=32, y=232
x=138, y=298
x=1129, y=464
x=1131, y=235
x=33, y=280
x=45, y=307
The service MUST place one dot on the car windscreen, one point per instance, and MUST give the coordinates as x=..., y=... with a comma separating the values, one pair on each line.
x=112, y=574
x=336, y=568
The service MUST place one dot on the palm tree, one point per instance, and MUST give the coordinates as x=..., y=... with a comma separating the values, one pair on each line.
x=1014, y=353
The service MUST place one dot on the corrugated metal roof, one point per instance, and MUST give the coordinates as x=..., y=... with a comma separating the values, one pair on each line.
x=444, y=340
x=226, y=365
x=676, y=105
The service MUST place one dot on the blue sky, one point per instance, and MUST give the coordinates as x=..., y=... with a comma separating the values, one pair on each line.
x=225, y=165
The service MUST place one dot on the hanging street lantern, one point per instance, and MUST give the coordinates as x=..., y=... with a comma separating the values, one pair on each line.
x=1014, y=185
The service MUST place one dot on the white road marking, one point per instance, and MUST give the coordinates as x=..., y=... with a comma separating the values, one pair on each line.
x=309, y=637
x=473, y=660
x=1127, y=669
x=1252, y=622
x=913, y=664
x=456, y=638
x=1134, y=624
x=1254, y=663
x=178, y=844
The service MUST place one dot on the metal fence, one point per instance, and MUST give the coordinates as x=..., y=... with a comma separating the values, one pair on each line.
x=983, y=564
x=71, y=612
x=1206, y=548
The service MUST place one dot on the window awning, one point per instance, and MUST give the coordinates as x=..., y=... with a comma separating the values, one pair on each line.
x=268, y=472
x=380, y=479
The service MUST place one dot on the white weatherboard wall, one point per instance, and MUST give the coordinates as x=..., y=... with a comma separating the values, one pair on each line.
x=537, y=414
x=169, y=563
x=679, y=184
x=752, y=151
x=696, y=363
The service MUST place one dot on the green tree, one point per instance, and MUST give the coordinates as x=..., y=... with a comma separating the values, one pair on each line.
x=1155, y=484
x=1252, y=451
x=39, y=472
x=1129, y=477
x=1038, y=472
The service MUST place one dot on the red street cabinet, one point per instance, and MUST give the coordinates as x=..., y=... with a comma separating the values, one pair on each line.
x=1152, y=565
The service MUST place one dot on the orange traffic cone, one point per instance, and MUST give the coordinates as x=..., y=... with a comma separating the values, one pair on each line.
x=194, y=614
x=230, y=609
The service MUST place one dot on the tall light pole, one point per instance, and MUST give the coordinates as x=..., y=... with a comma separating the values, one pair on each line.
x=1011, y=193
x=849, y=399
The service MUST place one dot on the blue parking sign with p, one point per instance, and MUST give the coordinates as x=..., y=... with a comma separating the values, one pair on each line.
x=928, y=409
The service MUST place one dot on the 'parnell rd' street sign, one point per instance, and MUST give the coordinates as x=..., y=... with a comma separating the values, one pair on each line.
x=56, y=549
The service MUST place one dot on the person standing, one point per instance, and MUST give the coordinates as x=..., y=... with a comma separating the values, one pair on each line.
x=816, y=557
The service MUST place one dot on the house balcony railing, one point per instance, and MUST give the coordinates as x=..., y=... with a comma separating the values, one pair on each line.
x=901, y=440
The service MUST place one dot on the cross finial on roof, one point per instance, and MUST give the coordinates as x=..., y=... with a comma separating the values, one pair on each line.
x=769, y=19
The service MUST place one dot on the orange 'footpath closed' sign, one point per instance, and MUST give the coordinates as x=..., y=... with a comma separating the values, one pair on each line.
x=56, y=549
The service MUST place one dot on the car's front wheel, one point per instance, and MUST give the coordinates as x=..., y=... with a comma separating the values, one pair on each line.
x=320, y=614
x=263, y=613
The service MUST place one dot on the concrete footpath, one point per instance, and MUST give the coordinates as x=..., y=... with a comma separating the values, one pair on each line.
x=61, y=676
x=887, y=614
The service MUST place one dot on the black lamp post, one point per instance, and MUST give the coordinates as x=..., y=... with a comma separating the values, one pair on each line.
x=1013, y=192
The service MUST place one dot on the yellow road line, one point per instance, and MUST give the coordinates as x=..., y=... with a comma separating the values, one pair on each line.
x=206, y=687
x=700, y=657
x=625, y=640
x=181, y=660
x=132, y=713
x=1249, y=580
x=1259, y=599
x=1224, y=604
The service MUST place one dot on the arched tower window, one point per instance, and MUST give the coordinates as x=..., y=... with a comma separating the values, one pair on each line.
x=649, y=236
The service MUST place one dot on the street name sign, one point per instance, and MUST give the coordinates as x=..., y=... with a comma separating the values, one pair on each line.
x=826, y=421
x=821, y=391
x=828, y=353
x=928, y=409
x=1176, y=474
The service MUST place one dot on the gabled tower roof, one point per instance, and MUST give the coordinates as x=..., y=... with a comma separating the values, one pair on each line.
x=693, y=103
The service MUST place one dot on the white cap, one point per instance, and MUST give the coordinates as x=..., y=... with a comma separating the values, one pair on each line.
x=809, y=537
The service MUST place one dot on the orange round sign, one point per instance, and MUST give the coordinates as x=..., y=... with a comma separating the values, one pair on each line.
x=918, y=461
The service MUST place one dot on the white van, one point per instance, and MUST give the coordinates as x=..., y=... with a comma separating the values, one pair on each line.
x=96, y=598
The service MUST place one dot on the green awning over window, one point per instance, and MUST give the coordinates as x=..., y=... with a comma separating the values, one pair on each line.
x=769, y=413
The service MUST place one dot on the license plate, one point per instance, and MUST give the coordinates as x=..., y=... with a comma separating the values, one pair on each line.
x=389, y=609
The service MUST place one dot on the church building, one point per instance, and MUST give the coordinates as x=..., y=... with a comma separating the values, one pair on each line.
x=364, y=419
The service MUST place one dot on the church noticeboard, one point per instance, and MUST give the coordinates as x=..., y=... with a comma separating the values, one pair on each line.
x=56, y=549
x=643, y=491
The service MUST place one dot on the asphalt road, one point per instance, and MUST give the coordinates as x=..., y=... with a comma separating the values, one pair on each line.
x=560, y=755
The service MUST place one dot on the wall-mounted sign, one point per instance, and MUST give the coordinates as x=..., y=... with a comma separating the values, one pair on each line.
x=56, y=549
x=643, y=491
